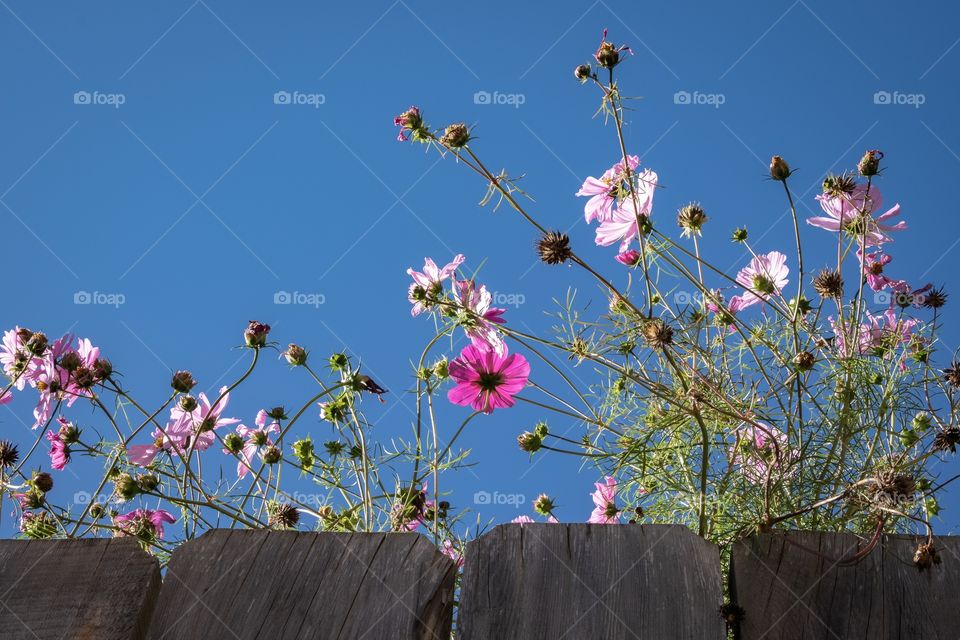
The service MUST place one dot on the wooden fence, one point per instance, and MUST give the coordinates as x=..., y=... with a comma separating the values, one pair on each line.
x=550, y=581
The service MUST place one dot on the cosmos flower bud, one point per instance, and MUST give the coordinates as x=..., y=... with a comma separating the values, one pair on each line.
x=256, y=334
x=456, y=136
x=147, y=482
x=188, y=403
x=97, y=511
x=278, y=413
x=183, y=382
x=529, y=442
x=828, y=283
x=739, y=234
x=339, y=361
x=779, y=169
x=582, y=72
x=295, y=355
x=608, y=54
x=233, y=443
x=303, y=451
x=554, y=247
x=440, y=368
x=629, y=258
x=869, y=164
x=125, y=487
x=43, y=481
x=84, y=377
x=272, y=455
x=543, y=505
x=411, y=122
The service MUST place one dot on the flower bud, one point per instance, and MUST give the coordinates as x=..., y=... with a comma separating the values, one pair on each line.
x=779, y=169
x=84, y=378
x=543, y=505
x=339, y=361
x=456, y=136
x=147, y=482
x=272, y=455
x=183, y=382
x=630, y=258
x=804, y=360
x=411, y=122
x=125, y=487
x=233, y=443
x=582, y=72
x=43, y=481
x=97, y=511
x=691, y=219
x=739, y=235
x=277, y=413
x=295, y=355
x=256, y=334
x=529, y=442
x=869, y=164
x=303, y=451
x=188, y=403
x=440, y=369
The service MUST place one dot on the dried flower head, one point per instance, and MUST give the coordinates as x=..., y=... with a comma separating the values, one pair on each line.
x=456, y=136
x=657, y=334
x=779, y=169
x=554, y=247
x=952, y=374
x=43, y=482
x=608, y=54
x=828, y=283
x=9, y=454
x=582, y=72
x=926, y=556
x=839, y=185
x=282, y=515
x=935, y=298
x=804, y=360
x=691, y=219
x=183, y=382
x=295, y=355
x=869, y=164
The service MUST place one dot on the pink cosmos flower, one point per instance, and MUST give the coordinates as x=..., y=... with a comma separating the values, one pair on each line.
x=766, y=275
x=873, y=269
x=605, y=509
x=15, y=359
x=452, y=552
x=203, y=420
x=409, y=120
x=429, y=282
x=522, y=520
x=143, y=523
x=487, y=380
x=7, y=396
x=174, y=437
x=853, y=213
x=761, y=449
x=622, y=223
x=254, y=441
x=878, y=335
x=603, y=191
x=480, y=323
x=59, y=452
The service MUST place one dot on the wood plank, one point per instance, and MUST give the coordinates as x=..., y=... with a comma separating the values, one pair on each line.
x=576, y=581
x=298, y=585
x=94, y=589
x=788, y=591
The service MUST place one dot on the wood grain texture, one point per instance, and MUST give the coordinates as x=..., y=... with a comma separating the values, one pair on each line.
x=288, y=584
x=789, y=592
x=580, y=581
x=95, y=589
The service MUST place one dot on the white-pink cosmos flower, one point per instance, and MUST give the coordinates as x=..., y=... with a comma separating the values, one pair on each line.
x=854, y=213
x=204, y=419
x=603, y=191
x=480, y=320
x=429, y=282
x=766, y=275
x=605, y=509
x=255, y=440
x=622, y=224
x=762, y=449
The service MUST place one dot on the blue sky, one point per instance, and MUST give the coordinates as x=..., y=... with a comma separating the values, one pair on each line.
x=145, y=158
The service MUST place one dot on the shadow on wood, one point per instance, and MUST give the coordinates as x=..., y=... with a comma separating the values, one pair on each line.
x=606, y=582
x=789, y=591
x=91, y=589
x=286, y=584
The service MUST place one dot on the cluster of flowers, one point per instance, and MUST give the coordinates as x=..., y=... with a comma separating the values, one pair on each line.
x=487, y=376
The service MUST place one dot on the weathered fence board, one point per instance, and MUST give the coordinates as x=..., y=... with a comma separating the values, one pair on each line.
x=285, y=584
x=788, y=591
x=556, y=581
x=91, y=589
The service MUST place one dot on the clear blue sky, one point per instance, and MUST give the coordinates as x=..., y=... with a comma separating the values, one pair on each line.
x=199, y=198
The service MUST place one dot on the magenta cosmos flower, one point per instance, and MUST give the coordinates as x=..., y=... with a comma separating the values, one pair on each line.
x=853, y=213
x=873, y=269
x=622, y=224
x=429, y=282
x=605, y=509
x=59, y=452
x=766, y=275
x=487, y=380
x=603, y=191
x=143, y=523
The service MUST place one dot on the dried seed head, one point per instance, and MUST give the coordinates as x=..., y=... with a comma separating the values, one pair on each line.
x=43, y=481
x=839, y=185
x=947, y=440
x=869, y=164
x=657, y=333
x=935, y=298
x=926, y=556
x=183, y=382
x=732, y=614
x=9, y=454
x=828, y=283
x=582, y=72
x=952, y=375
x=272, y=455
x=554, y=247
x=283, y=516
x=691, y=219
x=188, y=403
x=456, y=136
x=804, y=360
